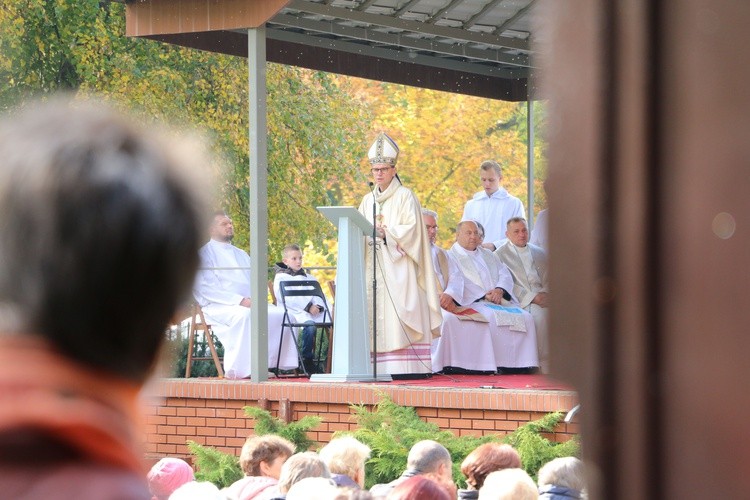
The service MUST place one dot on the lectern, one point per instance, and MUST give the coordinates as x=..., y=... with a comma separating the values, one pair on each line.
x=351, y=351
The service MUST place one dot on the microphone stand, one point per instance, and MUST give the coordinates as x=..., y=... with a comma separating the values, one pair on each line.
x=374, y=287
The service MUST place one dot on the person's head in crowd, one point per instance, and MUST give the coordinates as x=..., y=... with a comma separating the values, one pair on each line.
x=517, y=231
x=429, y=456
x=508, y=484
x=264, y=455
x=167, y=475
x=313, y=488
x=562, y=475
x=99, y=232
x=421, y=487
x=347, y=456
x=467, y=235
x=300, y=466
x=490, y=175
x=430, y=219
x=198, y=490
x=487, y=458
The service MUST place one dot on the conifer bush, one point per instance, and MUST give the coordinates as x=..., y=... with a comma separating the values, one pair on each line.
x=223, y=469
x=390, y=430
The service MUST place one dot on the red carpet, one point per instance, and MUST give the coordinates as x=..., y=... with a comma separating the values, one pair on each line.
x=530, y=382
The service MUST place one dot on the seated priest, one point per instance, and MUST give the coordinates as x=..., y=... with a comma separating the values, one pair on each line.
x=465, y=343
x=488, y=290
x=528, y=266
x=222, y=288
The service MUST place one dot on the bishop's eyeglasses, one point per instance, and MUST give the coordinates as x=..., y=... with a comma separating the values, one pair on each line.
x=380, y=170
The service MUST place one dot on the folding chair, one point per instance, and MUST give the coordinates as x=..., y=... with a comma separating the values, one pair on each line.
x=208, y=338
x=304, y=288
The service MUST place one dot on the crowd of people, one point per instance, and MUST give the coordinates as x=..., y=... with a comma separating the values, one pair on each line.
x=273, y=471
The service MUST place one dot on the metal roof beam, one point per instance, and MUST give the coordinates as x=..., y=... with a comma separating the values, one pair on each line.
x=398, y=39
x=395, y=55
x=439, y=14
x=521, y=12
x=476, y=17
x=460, y=35
x=365, y=4
x=406, y=7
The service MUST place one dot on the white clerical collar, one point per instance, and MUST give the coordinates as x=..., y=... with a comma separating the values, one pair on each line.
x=467, y=251
x=520, y=249
x=220, y=244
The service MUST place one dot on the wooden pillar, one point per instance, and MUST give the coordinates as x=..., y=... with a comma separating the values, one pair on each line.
x=649, y=217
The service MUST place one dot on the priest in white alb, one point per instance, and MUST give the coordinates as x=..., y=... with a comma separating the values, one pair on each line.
x=408, y=312
x=465, y=342
x=488, y=287
x=222, y=289
x=528, y=265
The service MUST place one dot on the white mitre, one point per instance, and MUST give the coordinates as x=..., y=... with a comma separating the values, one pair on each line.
x=383, y=150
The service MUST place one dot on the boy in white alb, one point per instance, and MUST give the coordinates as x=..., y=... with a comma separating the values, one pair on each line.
x=306, y=309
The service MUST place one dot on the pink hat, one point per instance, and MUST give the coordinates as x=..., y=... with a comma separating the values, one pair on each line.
x=167, y=475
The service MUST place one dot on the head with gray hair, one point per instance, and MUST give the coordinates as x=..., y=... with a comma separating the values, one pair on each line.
x=99, y=234
x=508, y=484
x=428, y=456
x=566, y=472
x=430, y=213
x=300, y=466
x=346, y=455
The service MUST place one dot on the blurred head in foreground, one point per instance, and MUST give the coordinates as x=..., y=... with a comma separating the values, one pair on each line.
x=99, y=238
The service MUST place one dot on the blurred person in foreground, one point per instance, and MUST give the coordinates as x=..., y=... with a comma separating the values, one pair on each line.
x=99, y=238
x=485, y=459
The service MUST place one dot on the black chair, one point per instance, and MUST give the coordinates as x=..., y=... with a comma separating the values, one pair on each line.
x=305, y=288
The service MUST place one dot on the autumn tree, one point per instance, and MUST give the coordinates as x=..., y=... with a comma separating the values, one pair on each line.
x=443, y=139
x=315, y=129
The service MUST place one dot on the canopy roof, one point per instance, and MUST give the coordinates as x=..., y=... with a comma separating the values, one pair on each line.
x=474, y=47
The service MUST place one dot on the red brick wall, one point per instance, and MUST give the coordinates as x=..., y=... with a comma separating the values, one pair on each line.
x=209, y=411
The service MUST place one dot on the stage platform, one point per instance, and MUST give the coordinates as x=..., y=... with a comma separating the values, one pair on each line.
x=209, y=410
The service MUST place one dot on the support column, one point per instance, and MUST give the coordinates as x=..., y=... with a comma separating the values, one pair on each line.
x=258, y=217
x=530, y=160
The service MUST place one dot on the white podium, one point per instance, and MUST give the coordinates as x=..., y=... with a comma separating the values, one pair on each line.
x=351, y=350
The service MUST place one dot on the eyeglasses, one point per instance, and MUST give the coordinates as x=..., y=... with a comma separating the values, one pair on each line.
x=430, y=226
x=380, y=170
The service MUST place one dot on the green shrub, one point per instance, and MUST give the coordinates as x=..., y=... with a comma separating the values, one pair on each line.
x=296, y=432
x=223, y=469
x=535, y=449
x=391, y=430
